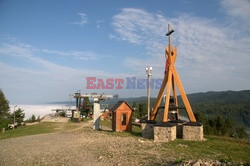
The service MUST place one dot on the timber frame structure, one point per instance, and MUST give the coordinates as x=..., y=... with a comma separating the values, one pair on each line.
x=171, y=79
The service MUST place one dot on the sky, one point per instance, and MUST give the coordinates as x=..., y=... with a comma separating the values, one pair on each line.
x=49, y=48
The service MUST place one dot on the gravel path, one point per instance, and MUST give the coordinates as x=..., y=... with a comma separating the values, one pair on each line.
x=81, y=146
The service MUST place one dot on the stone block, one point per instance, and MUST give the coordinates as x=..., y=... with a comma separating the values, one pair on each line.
x=164, y=132
x=193, y=131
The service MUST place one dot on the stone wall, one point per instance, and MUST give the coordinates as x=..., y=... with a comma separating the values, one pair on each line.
x=164, y=133
x=169, y=131
x=193, y=132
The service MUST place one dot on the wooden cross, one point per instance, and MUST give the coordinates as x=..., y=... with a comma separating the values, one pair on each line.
x=171, y=79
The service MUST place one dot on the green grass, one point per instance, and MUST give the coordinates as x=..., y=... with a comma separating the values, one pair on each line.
x=87, y=119
x=40, y=128
x=216, y=148
x=106, y=123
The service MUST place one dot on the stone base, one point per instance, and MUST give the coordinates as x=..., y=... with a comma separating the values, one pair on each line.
x=148, y=130
x=193, y=131
x=164, y=132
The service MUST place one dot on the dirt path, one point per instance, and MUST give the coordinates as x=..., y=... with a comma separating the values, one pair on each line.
x=80, y=146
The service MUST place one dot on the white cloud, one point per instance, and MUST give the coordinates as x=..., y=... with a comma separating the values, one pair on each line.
x=99, y=23
x=83, y=20
x=77, y=55
x=136, y=25
x=207, y=50
x=239, y=9
x=40, y=80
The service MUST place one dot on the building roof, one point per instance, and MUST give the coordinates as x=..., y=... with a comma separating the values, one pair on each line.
x=118, y=104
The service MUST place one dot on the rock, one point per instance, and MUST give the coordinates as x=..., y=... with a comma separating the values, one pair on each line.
x=140, y=140
x=216, y=163
x=206, y=164
x=182, y=145
x=197, y=163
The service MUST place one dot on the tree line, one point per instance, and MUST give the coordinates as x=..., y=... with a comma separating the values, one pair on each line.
x=213, y=125
x=221, y=126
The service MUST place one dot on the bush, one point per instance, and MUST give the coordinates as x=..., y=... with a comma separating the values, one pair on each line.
x=63, y=114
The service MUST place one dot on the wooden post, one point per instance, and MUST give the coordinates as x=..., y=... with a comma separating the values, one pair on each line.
x=165, y=117
x=184, y=97
x=159, y=97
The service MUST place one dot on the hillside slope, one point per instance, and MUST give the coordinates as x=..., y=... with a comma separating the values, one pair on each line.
x=234, y=105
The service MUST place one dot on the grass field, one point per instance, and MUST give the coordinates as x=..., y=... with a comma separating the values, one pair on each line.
x=40, y=128
x=217, y=148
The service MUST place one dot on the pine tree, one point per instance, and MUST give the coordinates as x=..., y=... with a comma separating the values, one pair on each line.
x=219, y=123
x=142, y=110
x=86, y=107
x=38, y=119
x=86, y=101
x=19, y=116
x=199, y=117
x=228, y=127
x=241, y=132
x=33, y=118
x=4, y=110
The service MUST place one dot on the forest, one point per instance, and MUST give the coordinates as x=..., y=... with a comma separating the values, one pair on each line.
x=233, y=105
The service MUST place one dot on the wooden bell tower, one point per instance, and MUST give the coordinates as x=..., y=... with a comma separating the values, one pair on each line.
x=171, y=79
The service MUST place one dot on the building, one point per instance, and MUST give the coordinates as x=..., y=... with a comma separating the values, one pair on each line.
x=122, y=116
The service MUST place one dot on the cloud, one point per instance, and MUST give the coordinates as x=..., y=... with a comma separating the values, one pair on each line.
x=29, y=78
x=136, y=25
x=208, y=52
x=83, y=20
x=238, y=9
x=99, y=23
x=29, y=54
x=77, y=55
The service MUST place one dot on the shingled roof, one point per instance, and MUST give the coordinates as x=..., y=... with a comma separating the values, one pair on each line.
x=117, y=105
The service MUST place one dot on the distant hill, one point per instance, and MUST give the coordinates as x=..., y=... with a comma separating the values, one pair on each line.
x=234, y=105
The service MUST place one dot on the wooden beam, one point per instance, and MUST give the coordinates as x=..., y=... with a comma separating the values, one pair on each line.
x=169, y=82
x=184, y=96
x=159, y=97
x=173, y=83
